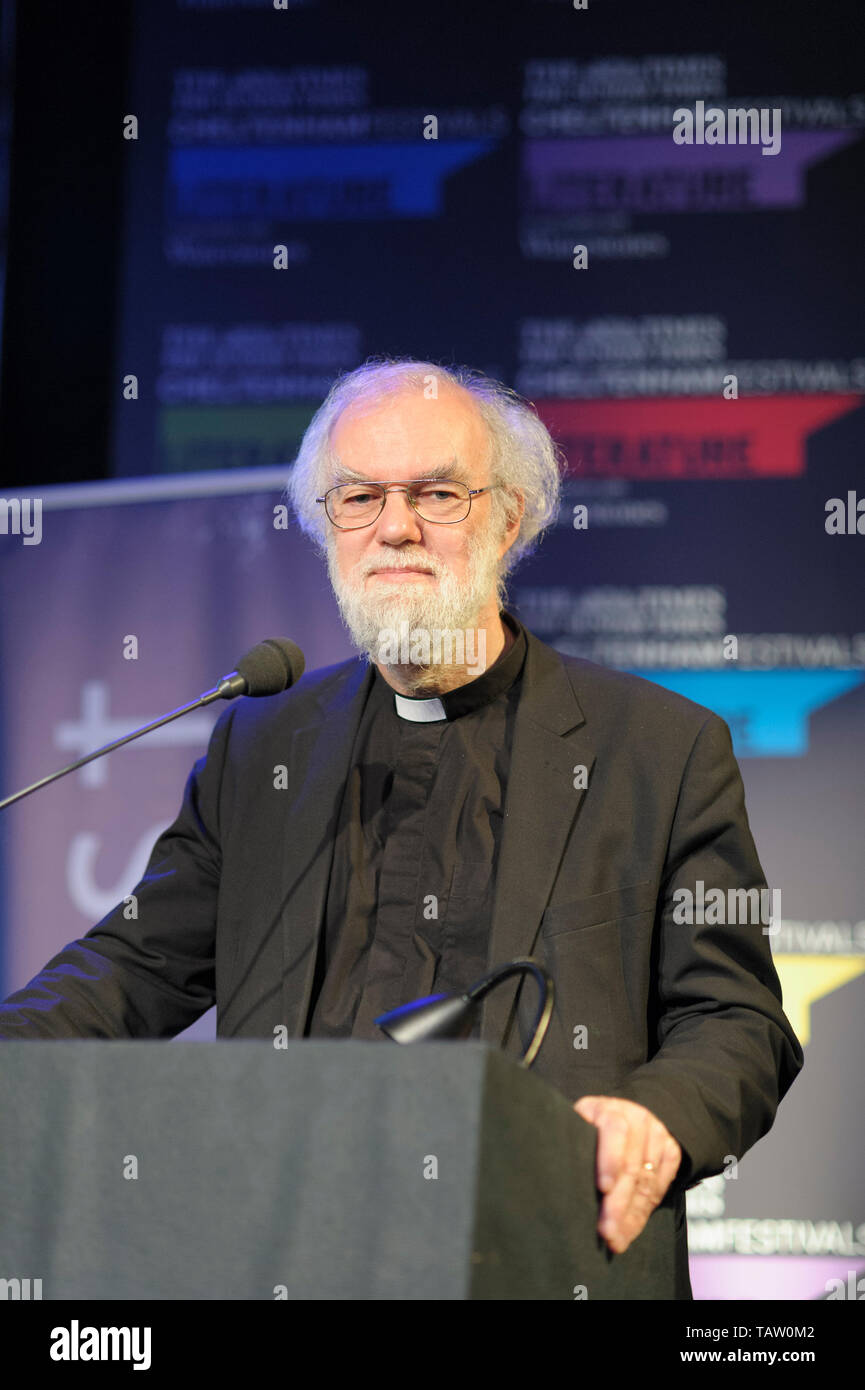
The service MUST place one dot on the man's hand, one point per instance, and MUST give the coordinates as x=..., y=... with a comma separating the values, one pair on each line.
x=637, y=1160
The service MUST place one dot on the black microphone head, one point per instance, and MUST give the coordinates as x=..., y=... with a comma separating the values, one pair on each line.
x=271, y=666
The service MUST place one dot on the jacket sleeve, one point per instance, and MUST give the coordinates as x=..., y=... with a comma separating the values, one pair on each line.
x=727, y=1053
x=150, y=975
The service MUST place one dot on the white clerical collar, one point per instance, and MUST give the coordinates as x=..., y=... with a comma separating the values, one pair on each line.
x=419, y=711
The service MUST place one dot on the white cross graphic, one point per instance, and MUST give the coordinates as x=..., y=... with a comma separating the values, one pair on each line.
x=96, y=727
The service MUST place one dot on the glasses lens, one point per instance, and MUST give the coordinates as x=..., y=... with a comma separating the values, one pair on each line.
x=354, y=504
x=441, y=500
x=359, y=504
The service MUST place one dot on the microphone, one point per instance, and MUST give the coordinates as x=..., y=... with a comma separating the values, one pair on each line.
x=440, y=1016
x=267, y=668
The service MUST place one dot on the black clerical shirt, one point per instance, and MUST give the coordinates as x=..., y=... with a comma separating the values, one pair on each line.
x=410, y=894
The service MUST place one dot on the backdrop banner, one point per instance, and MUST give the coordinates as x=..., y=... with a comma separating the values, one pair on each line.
x=645, y=219
x=135, y=602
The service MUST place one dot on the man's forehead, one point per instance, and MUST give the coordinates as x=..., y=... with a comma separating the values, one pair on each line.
x=452, y=467
x=449, y=429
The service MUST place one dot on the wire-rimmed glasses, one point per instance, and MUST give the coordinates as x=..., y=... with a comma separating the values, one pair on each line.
x=444, y=501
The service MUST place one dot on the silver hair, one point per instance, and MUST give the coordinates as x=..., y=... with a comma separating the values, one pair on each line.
x=523, y=458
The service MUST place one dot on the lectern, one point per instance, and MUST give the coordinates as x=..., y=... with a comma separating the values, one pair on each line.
x=321, y=1170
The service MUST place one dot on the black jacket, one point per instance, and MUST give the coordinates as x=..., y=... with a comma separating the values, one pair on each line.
x=686, y=1020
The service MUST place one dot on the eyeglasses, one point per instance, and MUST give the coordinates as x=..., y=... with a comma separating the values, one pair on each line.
x=351, y=506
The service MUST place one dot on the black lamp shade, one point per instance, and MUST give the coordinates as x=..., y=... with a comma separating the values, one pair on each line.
x=438, y=1016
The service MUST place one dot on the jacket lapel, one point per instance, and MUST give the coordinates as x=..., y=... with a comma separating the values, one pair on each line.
x=320, y=755
x=541, y=803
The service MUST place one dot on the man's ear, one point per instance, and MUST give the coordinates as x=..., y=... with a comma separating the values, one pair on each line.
x=515, y=504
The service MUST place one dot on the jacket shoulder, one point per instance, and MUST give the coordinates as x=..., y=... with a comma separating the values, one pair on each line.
x=603, y=689
x=325, y=688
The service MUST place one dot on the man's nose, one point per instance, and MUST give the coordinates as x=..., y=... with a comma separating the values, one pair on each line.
x=398, y=518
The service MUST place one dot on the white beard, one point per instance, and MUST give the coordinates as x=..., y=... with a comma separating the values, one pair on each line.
x=450, y=606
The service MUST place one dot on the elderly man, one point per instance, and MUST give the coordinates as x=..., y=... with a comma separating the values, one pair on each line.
x=460, y=795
